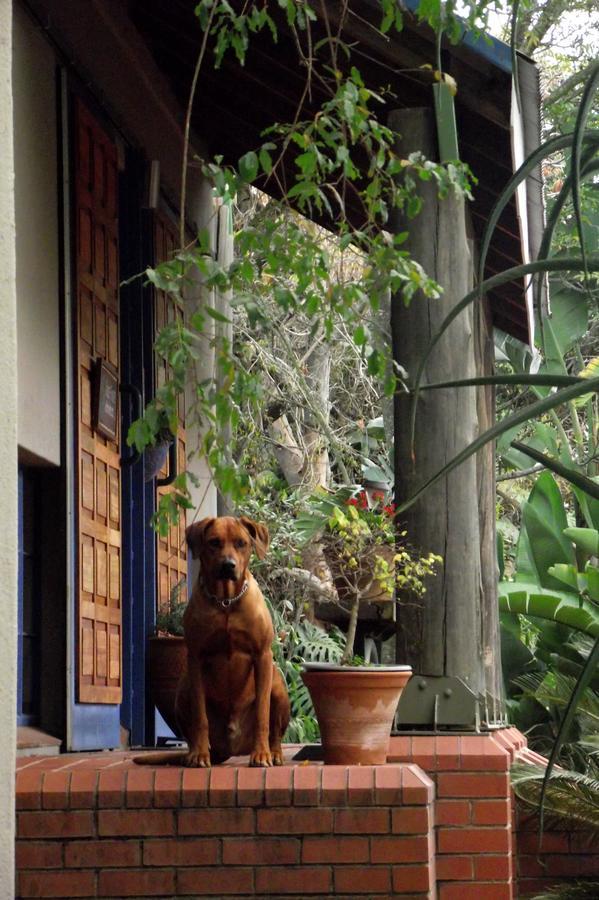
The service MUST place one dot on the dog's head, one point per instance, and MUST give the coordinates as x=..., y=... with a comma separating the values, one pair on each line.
x=224, y=545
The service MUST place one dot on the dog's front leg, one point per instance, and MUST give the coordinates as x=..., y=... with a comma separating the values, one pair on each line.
x=198, y=736
x=263, y=669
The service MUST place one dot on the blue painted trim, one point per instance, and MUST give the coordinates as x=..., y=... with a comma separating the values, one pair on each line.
x=139, y=540
x=490, y=48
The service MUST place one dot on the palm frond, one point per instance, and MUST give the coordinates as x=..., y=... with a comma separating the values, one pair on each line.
x=582, y=890
x=571, y=798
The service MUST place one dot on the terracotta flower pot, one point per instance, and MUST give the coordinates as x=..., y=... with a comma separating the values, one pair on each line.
x=355, y=706
x=167, y=658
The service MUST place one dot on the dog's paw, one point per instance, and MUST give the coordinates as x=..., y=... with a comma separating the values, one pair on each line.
x=197, y=759
x=277, y=757
x=261, y=758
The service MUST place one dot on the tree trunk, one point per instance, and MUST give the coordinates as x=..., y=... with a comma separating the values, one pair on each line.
x=447, y=632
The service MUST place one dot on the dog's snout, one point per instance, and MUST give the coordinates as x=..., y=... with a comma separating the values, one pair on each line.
x=228, y=566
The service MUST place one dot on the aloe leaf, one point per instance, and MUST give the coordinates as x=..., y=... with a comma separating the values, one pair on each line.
x=563, y=264
x=581, y=118
x=589, y=167
x=553, y=145
x=543, y=380
x=586, y=676
x=581, y=481
x=518, y=418
x=564, y=607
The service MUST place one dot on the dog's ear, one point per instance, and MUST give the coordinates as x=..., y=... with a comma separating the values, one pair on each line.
x=259, y=534
x=194, y=535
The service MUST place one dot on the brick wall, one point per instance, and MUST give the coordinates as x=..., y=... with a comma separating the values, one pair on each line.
x=102, y=827
x=473, y=810
x=564, y=855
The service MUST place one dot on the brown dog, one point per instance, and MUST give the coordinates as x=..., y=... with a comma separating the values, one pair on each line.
x=232, y=699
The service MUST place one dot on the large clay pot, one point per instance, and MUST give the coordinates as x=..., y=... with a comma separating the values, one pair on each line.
x=355, y=706
x=167, y=658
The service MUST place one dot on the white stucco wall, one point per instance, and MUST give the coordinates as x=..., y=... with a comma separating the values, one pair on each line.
x=36, y=217
x=8, y=469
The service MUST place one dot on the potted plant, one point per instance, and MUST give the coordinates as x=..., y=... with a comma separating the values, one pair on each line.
x=167, y=655
x=355, y=703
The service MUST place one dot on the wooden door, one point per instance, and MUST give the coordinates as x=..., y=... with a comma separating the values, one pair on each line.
x=96, y=316
x=171, y=552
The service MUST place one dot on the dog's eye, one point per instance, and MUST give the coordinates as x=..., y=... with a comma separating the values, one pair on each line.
x=240, y=543
x=214, y=542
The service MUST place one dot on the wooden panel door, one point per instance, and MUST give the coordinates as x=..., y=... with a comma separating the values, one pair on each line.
x=171, y=552
x=99, y=475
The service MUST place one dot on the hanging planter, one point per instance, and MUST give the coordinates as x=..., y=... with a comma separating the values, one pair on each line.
x=155, y=458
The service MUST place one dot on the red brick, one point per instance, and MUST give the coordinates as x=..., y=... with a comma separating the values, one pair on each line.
x=410, y=820
x=473, y=840
x=167, y=787
x=492, y=868
x=56, y=884
x=278, y=786
x=261, y=851
x=55, y=790
x=334, y=785
x=423, y=752
x=83, y=792
x=387, y=785
x=49, y=825
x=478, y=891
x=452, y=812
x=400, y=749
x=194, y=788
x=125, y=822
x=552, y=842
x=360, y=785
x=490, y=812
x=140, y=788
x=411, y=878
x=568, y=866
x=250, y=786
x=361, y=821
x=306, y=785
x=111, y=788
x=38, y=855
x=215, y=882
x=481, y=752
x=223, y=786
x=182, y=852
x=335, y=849
x=93, y=854
x=295, y=821
x=417, y=787
x=136, y=882
x=399, y=849
x=29, y=789
x=462, y=784
x=447, y=748
x=454, y=868
x=216, y=821
x=362, y=879
x=303, y=880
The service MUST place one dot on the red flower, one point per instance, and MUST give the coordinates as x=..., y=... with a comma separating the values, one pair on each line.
x=389, y=510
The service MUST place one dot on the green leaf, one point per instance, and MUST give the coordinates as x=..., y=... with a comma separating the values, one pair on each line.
x=544, y=518
x=216, y=315
x=248, y=166
x=586, y=539
x=565, y=608
x=575, y=477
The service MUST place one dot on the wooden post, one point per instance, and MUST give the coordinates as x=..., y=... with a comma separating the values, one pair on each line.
x=453, y=629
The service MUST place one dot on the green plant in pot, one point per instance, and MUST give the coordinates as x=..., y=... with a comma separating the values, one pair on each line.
x=167, y=654
x=368, y=561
